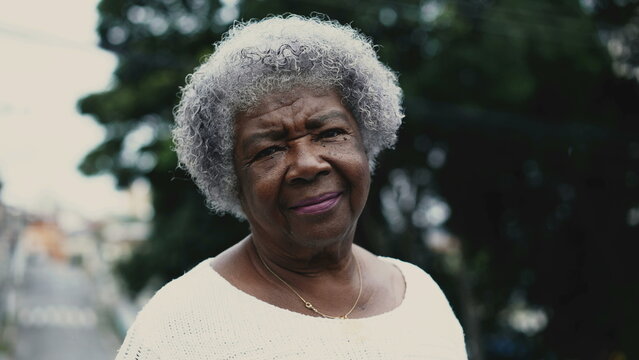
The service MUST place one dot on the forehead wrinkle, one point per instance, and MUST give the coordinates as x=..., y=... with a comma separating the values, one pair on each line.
x=270, y=126
x=271, y=104
x=288, y=117
x=288, y=113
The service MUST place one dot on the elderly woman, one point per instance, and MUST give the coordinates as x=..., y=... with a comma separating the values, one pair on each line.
x=281, y=126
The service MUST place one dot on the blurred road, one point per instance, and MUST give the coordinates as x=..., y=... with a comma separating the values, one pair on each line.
x=57, y=315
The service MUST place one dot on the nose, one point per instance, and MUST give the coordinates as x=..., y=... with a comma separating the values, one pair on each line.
x=306, y=164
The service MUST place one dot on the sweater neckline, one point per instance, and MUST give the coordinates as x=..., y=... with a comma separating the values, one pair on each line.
x=243, y=296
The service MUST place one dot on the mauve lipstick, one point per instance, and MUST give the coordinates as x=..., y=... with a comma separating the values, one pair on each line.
x=317, y=204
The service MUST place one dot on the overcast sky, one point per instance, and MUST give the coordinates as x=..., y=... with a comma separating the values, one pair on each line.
x=49, y=60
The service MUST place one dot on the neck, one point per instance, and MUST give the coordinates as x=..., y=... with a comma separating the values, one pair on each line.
x=335, y=260
x=323, y=279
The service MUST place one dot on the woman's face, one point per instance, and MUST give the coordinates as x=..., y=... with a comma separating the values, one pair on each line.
x=302, y=169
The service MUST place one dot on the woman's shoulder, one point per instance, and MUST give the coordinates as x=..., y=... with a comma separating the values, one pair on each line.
x=181, y=294
x=419, y=283
x=404, y=266
x=168, y=317
x=424, y=295
x=409, y=273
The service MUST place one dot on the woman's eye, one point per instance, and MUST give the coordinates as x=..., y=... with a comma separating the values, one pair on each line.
x=268, y=152
x=331, y=133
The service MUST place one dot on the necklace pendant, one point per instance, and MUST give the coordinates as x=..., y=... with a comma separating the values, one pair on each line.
x=308, y=305
x=344, y=317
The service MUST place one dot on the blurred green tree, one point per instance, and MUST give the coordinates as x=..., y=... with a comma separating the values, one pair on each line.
x=515, y=182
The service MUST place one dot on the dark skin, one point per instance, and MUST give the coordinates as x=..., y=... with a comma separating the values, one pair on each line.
x=303, y=178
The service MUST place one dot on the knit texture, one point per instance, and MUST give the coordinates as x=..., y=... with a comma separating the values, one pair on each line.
x=202, y=316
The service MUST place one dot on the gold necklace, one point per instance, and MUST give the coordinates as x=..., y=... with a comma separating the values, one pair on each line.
x=307, y=303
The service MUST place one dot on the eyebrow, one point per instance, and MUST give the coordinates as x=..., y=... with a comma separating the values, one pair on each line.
x=312, y=123
x=318, y=121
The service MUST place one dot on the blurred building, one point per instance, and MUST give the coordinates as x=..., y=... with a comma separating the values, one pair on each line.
x=12, y=222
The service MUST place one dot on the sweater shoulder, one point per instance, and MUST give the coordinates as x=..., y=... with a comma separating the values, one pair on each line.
x=146, y=335
x=178, y=299
x=423, y=292
x=414, y=276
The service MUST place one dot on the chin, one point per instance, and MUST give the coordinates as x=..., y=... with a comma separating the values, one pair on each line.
x=324, y=233
x=321, y=242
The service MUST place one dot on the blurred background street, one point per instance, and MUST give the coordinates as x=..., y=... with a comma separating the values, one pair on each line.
x=60, y=299
x=58, y=315
x=514, y=183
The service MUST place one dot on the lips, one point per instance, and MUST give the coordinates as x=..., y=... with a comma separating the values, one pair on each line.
x=317, y=204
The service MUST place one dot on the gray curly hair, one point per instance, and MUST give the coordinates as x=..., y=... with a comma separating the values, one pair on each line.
x=272, y=55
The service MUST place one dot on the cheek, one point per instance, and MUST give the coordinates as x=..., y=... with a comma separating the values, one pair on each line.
x=360, y=172
x=351, y=153
x=353, y=164
x=260, y=184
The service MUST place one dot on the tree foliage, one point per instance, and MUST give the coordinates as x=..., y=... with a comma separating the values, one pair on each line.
x=521, y=120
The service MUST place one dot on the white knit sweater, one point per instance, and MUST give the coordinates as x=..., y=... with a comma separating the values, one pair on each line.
x=202, y=316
